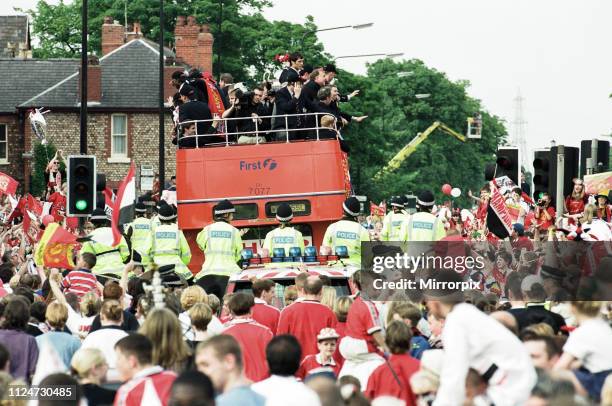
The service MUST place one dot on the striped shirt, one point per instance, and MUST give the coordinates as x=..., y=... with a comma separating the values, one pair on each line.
x=80, y=282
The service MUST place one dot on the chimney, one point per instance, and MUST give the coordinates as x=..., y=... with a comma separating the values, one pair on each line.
x=94, y=80
x=135, y=33
x=193, y=43
x=112, y=35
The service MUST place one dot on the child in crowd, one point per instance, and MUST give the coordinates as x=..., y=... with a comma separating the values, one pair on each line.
x=326, y=359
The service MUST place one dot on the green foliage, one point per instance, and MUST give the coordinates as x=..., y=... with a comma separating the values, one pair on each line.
x=57, y=28
x=396, y=116
x=42, y=156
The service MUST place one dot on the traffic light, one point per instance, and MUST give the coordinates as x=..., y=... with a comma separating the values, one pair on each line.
x=508, y=164
x=100, y=186
x=541, y=175
x=81, y=199
x=569, y=170
x=603, y=156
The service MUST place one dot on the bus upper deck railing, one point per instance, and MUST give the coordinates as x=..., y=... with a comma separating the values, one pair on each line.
x=287, y=132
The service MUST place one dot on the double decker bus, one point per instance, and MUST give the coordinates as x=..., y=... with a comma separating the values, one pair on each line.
x=311, y=175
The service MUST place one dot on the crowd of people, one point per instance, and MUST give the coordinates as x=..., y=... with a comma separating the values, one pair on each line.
x=130, y=324
x=302, y=104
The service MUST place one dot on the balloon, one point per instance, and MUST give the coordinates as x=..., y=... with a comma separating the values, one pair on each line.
x=456, y=192
x=48, y=219
x=446, y=189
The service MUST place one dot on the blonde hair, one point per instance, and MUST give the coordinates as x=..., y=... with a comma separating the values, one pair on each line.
x=162, y=327
x=328, y=296
x=328, y=121
x=587, y=308
x=589, y=213
x=90, y=304
x=540, y=330
x=85, y=359
x=192, y=295
x=200, y=315
x=56, y=315
x=290, y=293
x=342, y=306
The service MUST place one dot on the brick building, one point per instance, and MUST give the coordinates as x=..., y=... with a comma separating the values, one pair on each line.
x=123, y=120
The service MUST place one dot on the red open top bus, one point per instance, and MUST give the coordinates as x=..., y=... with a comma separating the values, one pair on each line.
x=312, y=176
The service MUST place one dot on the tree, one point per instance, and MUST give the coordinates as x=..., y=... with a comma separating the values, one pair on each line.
x=246, y=40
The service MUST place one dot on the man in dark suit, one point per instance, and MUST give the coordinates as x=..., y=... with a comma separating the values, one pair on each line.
x=296, y=63
x=308, y=100
x=190, y=110
x=534, y=311
x=286, y=102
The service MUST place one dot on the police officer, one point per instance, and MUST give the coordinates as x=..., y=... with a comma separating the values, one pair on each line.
x=392, y=223
x=140, y=232
x=422, y=225
x=348, y=232
x=284, y=236
x=222, y=244
x=109, y=260
x=168, y=244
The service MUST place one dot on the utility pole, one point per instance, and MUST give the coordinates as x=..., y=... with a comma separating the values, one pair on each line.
x=162, y=144
x=83, y=116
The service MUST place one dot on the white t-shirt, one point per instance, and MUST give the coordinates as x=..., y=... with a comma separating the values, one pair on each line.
x=591, y=343
x=282, y=390
x=105, y=340
x=78, y=324
x=215, y=326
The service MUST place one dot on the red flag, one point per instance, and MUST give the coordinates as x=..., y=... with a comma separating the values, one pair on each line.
x=8, y=185
x=376, y=210
x=123, y=208
x=34, y=205
x=526, y=198
x=30, y=227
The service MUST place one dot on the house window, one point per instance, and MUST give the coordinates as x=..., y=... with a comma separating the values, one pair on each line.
x=119, y=135
x=3, y=143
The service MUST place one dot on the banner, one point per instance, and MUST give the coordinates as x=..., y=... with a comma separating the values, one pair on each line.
x=377, y=210
x=599, y=181
x=8, y=185
x=55, y=248
x=499, y=221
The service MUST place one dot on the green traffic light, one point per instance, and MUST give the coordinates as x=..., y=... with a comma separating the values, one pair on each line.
x=81, y=204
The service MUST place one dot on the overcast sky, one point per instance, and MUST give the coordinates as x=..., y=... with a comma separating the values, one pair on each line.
x=557, y=52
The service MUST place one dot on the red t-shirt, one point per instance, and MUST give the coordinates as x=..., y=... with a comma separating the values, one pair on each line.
x=315, y=361
x=383, y=382
x=265, y=314
x=132, y=393
x=253, y=339
x=80, y=282
x=522, y=242
x=576, y=206
x=305, y=319
x=363, y=321
x=58, y=209
x=341, y=329
x=545, y=224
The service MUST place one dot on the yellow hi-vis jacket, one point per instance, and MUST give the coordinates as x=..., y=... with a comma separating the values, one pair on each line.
x=392, y=225
x=141, y=238
x=350, y=234
x=422, y=226
x=287, y=237
x=222, y=244
x=169, y=246
x=109, y=260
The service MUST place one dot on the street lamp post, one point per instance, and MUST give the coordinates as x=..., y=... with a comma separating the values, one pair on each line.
x=391, y=55
x=355, y=27
x=162, y=146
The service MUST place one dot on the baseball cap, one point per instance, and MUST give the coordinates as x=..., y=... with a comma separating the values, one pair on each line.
x=327, y=334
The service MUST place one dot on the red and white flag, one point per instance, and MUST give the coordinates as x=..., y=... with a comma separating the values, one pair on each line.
x=123, y=208
x=109, y=201
x=8, y=185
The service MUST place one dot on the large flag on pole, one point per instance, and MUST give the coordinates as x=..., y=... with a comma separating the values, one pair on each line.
x=55, y=248
x=123, y=208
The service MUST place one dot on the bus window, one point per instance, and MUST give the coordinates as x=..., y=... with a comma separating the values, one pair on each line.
x=245, y=211
x=299, y=207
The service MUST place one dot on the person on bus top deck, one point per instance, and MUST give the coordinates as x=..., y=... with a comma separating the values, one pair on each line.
x=348, y=232
x=109, y=260
x=168, y=245
x=422, y=225
x=393, y=221
x=604, y=211
x=222, y=244
x=577, y=201
x=284, y=236
x=140, y=234
x=191, y=110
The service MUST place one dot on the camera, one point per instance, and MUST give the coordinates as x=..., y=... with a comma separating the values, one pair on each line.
x=244, y=97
